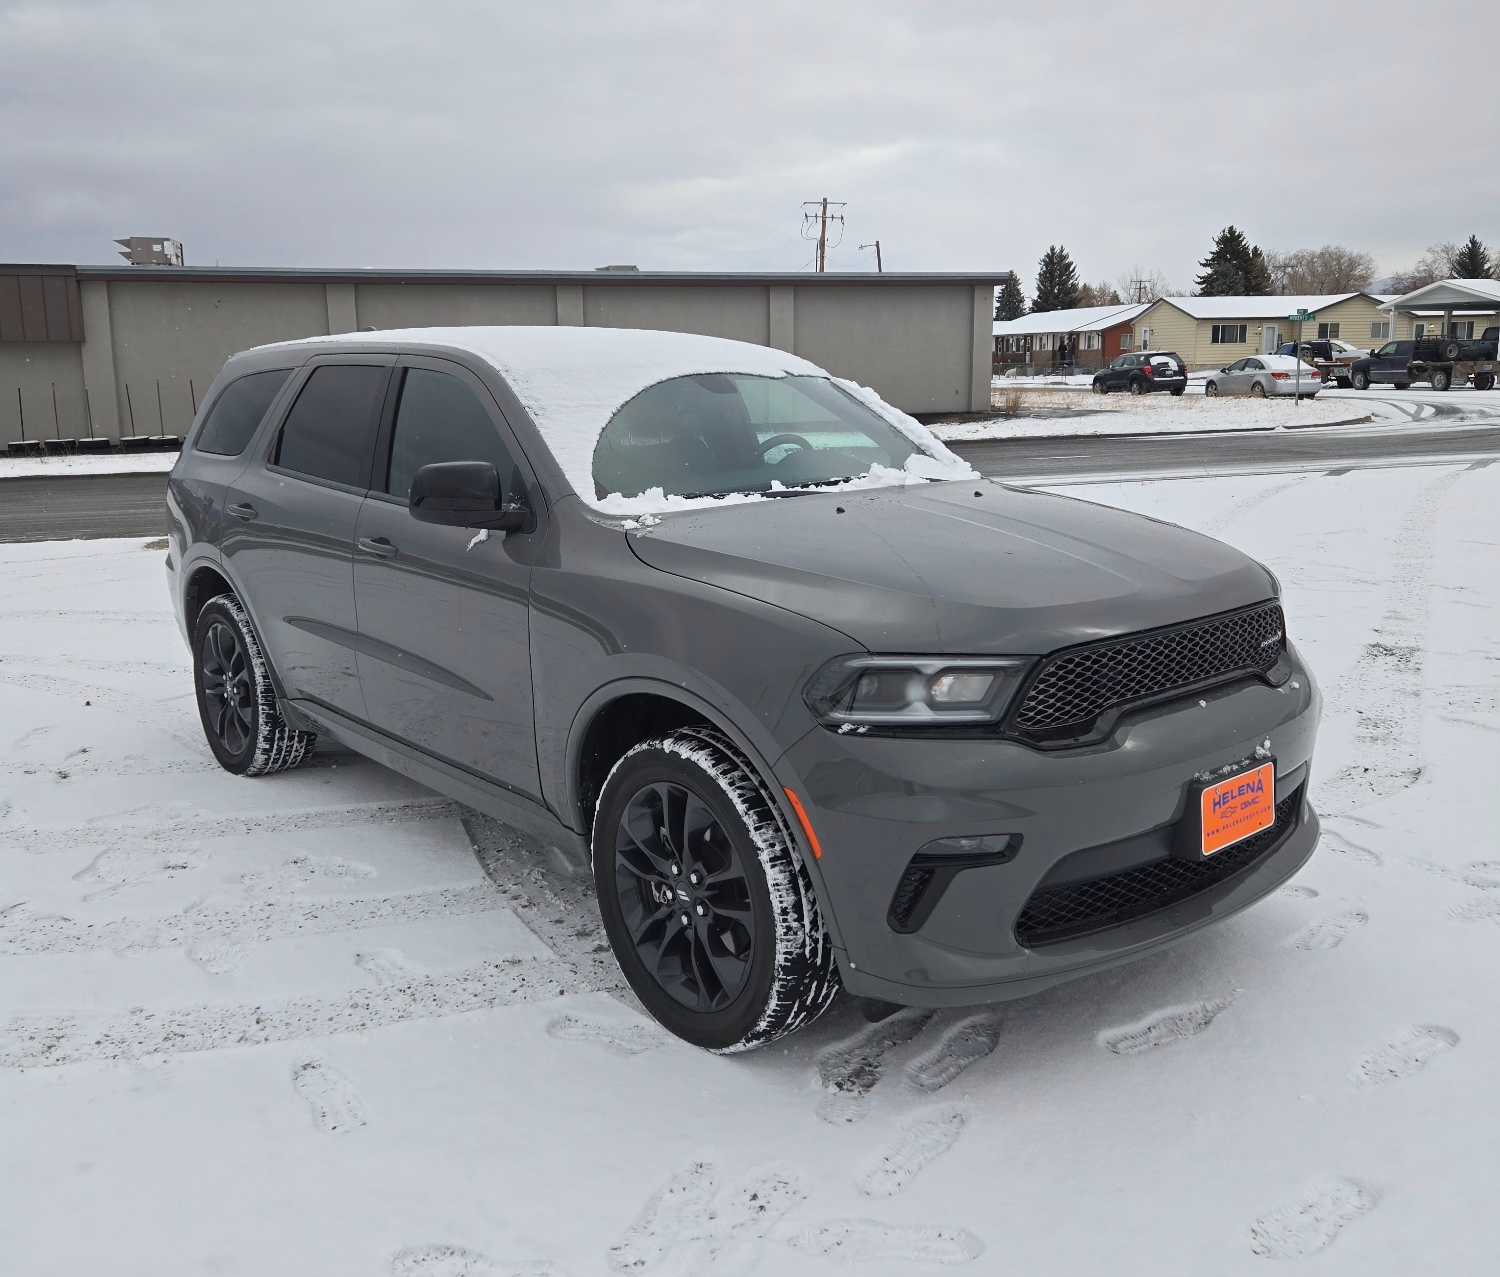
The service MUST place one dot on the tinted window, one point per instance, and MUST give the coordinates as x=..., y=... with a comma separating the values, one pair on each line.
x=238, y=411
x=331, y=429
x=441, y=419
x=729, y=432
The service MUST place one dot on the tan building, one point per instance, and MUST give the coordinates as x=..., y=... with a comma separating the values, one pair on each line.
x=1209, y=332
x=1449, y=307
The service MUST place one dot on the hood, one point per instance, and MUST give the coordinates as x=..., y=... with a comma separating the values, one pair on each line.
x=975, y=568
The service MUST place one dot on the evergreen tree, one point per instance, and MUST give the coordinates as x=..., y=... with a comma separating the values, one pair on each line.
x=1056, y=281
x=1472, y=261
x=1258, y=275
x=1011, y=303
x=1233, y=268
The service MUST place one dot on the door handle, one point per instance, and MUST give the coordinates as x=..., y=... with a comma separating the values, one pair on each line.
x=377, y=546
x=243, y=510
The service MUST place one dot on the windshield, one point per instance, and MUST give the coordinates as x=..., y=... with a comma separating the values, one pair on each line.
x=717, y=433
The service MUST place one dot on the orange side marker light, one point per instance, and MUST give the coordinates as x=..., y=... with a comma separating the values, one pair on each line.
x=812, y=836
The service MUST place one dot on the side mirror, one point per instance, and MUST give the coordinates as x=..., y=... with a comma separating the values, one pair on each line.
x=464, y=494
x=1223, y=370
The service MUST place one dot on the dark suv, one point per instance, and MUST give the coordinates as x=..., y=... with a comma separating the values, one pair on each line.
x=1143, y=372
x=823, y=706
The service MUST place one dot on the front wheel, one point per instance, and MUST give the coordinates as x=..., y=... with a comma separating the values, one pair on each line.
x=704, y=898
x=1361, y=380
x=1211, y=389
x=1484, y=381
x=1100, y=388
x=1441, y=379
x=236, y=697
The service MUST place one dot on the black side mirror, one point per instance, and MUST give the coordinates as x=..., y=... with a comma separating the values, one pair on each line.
x=464, y=494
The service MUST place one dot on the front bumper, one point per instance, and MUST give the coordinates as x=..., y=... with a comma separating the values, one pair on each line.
x=875, y=801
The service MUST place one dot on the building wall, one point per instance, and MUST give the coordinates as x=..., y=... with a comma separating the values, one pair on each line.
x=1353, y=317
x=1406, y=324
x=151, y=346
x=1170, y=329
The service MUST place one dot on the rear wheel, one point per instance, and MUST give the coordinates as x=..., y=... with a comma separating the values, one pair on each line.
x=1179, y=390
x=1484, y=381
x=1138, y=385
x=1441, y=379
x=1344, y=383
x=236, y=698
x=704, y=898
x=1257, y=390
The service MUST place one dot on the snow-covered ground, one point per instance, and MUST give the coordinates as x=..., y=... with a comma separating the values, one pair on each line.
x=329, y=1023
x=87, y=463
x=1155, y=414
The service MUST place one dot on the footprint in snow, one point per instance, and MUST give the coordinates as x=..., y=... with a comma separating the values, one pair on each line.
x=1407, y=1053
x=1299, y=892
x=620, y=1038
x=334, y=1102
x=1484, y=874
x=387, y=966
x=967, y=1042
x=921, y=1142
x=1172, y=1024
x=218, y=959
x=459, y=1261
x=856, y=1241
x=1330, y=932
x=849, y=1070
x=1311, y=1222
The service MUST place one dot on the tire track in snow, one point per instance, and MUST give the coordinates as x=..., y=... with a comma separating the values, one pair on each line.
x=251, y=922
x=1408, y=1052
x=459, y=1261
x=1313, y=1221
x=1173, y=1024
x=849, y=1070
x=921, y=1141
x=45, y=1041
x=1384, y=688
x=336, y=1106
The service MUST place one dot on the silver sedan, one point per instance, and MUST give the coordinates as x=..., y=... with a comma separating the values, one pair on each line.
x=1264, y=376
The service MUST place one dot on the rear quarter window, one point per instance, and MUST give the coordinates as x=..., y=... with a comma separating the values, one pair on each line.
x=238, y=412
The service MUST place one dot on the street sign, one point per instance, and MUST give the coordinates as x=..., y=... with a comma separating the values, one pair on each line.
x=1300, y=316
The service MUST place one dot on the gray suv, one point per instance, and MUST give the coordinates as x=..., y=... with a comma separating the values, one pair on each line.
x=823, y=707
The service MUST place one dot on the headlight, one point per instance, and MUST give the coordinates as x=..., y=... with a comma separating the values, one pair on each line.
x=914, y=691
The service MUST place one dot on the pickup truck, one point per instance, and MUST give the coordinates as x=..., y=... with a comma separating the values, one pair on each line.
x=1330, y=356
x=1438, y=360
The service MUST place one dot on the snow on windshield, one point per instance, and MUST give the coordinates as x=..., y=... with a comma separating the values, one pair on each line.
x=573, y=380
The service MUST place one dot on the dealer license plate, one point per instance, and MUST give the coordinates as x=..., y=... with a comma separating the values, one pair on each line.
x=1236, y=807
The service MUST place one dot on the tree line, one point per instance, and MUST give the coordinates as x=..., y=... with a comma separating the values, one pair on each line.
x=1235, y=267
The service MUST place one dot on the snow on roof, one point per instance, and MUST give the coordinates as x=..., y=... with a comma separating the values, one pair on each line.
x=1272, y=307
x=1454, y=292
x=573, y=380
x=1077, y=320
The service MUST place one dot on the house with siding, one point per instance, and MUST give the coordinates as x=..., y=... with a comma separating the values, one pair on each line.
x=1209, y=332
x=1448, y=307
x=1086, y=338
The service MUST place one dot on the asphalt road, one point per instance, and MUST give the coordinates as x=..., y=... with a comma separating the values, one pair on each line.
x=131, y=505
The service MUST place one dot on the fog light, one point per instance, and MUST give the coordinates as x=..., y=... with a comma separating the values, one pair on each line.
x=991, y=845
x=964, y=687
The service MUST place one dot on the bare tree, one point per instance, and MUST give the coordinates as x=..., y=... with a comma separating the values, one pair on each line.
x=1330, y=269
x=1138, y=285
x=1435, y=264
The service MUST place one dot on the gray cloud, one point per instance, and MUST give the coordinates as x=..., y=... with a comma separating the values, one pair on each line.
x=686, y=135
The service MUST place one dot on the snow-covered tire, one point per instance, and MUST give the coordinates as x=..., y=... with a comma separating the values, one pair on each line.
x=789, y=977
x=260, y=741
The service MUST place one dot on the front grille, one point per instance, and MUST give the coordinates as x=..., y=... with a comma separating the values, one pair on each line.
x=1062, y=913
x=1071, y=690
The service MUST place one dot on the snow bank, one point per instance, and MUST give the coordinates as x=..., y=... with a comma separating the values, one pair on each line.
x=1160, y=414
x=88, y=463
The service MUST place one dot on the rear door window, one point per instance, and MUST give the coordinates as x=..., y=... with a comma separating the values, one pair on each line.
x=440, y=418
x=330, y=431
x=238, y=411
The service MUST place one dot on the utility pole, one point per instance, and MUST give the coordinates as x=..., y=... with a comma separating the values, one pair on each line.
x=817, y=211
x=879, y=269
x=1140, y=286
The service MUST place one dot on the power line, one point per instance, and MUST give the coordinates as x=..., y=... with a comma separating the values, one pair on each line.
x=815, y=212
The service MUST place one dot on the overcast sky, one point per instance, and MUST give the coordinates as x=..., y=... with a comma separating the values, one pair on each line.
x=686, y=136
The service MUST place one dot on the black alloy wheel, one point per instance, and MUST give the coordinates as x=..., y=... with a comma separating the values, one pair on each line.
x=684, y=897
x=224, y=677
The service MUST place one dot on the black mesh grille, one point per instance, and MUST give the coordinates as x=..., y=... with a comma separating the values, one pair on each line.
x=1071, y=689
x=1060, y=913
x=914, y=882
